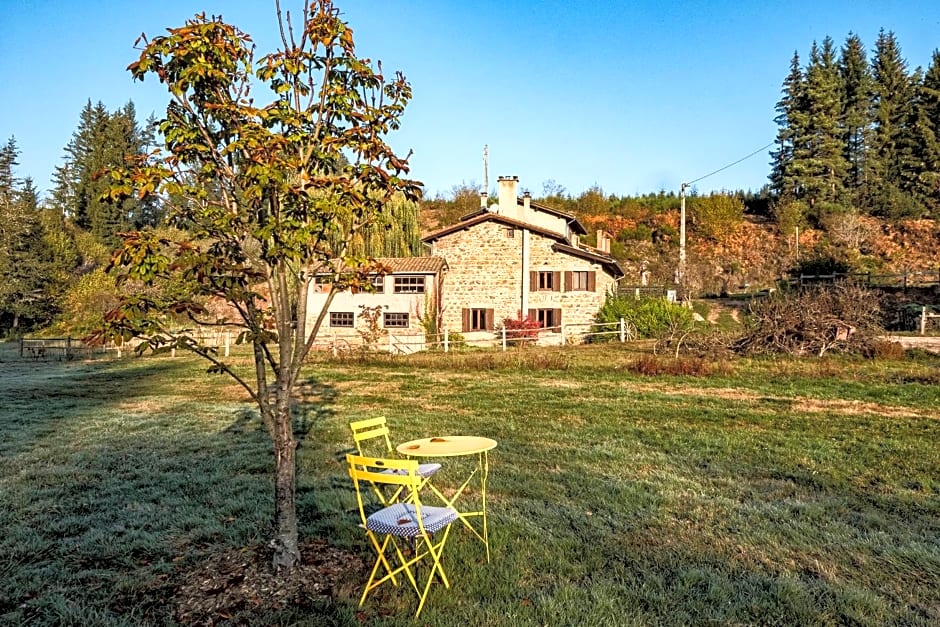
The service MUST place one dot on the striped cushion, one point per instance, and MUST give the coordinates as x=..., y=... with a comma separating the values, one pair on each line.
x=401, y=519
x=424, y=470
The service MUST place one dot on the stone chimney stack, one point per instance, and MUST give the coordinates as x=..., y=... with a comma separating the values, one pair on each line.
x=603, y=241
x=508, y=196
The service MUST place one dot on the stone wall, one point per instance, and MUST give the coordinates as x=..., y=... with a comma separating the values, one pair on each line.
x=487, y=271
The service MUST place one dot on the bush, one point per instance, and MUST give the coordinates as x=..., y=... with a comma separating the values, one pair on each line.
x=651, y=317
x=522, y=329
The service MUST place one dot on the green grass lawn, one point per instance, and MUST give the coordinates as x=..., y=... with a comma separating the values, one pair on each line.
x=776, y=492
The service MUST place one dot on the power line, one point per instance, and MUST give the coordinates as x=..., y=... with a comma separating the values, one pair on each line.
x=721, y=169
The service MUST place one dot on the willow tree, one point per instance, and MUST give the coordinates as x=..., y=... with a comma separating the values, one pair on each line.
x=266, y=189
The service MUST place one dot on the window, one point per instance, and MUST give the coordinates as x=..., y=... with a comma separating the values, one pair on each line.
x=510, y=232
x=378, y=283
x=580, y=281
x=477, y=320
x=545, y=281
x=323, y=283
x=395, y=321
x=342, y=319
x=549, y=319
x=409, y=285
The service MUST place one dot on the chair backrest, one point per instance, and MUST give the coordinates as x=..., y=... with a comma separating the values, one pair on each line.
x=369, y=470
x=369, y=429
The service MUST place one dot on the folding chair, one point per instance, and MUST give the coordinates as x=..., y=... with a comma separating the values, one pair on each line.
x=376, y=429
x=399, y=525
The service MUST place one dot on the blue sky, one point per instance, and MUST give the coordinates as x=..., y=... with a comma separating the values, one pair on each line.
x=634, y=96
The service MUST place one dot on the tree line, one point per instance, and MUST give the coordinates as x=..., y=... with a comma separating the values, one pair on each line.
x=856, y=135
x=54, y=251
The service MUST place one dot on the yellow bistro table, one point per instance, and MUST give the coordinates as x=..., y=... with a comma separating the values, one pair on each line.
x=459, y=446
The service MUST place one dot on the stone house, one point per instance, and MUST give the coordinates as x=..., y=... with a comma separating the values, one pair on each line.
x=516, y=258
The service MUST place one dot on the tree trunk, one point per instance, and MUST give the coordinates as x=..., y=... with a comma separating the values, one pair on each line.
x=286, y=550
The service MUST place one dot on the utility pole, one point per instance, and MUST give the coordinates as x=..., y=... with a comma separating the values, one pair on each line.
x=680, y=274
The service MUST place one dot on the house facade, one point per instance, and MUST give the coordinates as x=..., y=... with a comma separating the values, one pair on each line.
x=398, y=302
x=516, y=258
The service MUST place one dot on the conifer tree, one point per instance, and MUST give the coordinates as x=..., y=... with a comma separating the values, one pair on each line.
x=892, y=141
x=927, y=127
x=792, y=120
x=825, y=165
x=856, y=117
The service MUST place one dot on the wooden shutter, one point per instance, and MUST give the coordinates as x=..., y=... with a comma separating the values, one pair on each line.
x=556, y=320
x=592, y=281
x=466, y=320
x=534, y=314
x=567, y=280
x=556, y=281
x=533, y=281
x=490, y=322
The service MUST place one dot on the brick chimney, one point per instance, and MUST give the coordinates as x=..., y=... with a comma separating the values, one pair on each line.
x=509, y=196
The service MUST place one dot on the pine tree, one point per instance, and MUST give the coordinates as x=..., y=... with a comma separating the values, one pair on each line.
x=892, y=139
x=826, y=166
x=926, y=188
x=791, y=135
x=856, y=116
x=24, y=297
x=102, y=141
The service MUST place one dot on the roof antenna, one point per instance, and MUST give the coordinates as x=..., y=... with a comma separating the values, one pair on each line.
x=486, y=169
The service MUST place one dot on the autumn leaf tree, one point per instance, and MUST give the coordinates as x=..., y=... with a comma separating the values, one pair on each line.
x=267, y=190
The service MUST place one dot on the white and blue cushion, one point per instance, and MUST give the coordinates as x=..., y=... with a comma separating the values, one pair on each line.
x=401, y=519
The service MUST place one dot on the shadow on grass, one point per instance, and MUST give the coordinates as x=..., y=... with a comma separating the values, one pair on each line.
x=117, y=477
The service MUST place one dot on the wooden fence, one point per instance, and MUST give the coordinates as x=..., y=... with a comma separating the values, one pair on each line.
x=903, y=280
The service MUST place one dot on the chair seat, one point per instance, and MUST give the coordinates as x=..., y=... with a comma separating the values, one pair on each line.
x=424, y=470
x=401, y=519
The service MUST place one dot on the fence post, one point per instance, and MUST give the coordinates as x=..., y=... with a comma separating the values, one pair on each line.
x=623, y=331
x=504, y=338
x=68, y=348
x=391, y=345
x=923, y=320
x=21, y=347
x=446, y=340
x=227, y=343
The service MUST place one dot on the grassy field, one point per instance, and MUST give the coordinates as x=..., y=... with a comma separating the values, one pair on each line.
x=770, y=492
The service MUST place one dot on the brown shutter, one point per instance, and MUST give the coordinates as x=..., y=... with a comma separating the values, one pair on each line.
x=534, y=314
x=556, y=281
x=556, y=319
x=592, y=281
x=490, y=320
x=567, y=280
x=466, y=320
x=533, y=281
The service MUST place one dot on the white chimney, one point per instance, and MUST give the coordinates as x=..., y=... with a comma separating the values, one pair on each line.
x=483, y=199
x=526, y=202
x=508, y=195
x=603, y=241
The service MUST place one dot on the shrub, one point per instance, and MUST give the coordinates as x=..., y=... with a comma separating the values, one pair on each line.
x=522, y=329
x=651, y=317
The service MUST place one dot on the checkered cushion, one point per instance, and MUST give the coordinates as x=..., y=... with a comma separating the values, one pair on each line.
x=424, y=470
x=401, y=519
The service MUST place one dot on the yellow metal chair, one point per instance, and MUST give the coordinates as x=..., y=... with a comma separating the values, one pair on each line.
x=377, y=429
x=398, y=525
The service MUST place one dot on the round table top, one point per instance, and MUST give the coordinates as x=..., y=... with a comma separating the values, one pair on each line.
x=446, y=446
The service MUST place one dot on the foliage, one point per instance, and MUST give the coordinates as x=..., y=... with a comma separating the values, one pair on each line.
x=86, y=302
x=715, y=216
x=103, y=140
x=522, y=329
x=370, y=327
x=651, y=317
x=269, y=191
x=814, y=320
